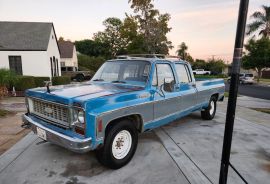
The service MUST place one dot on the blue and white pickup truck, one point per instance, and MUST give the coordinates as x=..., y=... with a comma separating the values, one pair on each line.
x=124, y=98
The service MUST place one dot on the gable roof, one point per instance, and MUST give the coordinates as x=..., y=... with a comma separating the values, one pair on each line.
x=66, y=49
x=25, y=36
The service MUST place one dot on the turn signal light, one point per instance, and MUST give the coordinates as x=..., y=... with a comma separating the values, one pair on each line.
x=100, y=126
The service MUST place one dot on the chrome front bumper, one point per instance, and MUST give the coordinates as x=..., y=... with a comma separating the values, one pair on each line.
x=72, y=143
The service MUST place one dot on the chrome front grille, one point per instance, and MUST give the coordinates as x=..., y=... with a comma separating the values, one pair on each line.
x=56, y=113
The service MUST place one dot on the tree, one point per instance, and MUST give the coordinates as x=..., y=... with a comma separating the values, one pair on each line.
x=258, y=55
x=199, y=64
x=61, y=38
x=216, y=66
x=182, y=51
x=261, y=22
x=130, y=33
x=190, y=59
x=111, y=36
x=93, y=48
x=89, y=63
x=152, y=27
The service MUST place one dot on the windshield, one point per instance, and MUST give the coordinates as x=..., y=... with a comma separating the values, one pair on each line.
x=132, y=72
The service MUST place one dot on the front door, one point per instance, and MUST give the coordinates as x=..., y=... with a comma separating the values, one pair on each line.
x=166, y=103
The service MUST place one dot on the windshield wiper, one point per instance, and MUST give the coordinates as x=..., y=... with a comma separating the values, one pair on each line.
x=118, y=81
x=98, y=80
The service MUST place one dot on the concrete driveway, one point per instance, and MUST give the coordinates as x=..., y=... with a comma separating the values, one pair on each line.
x=185, y=151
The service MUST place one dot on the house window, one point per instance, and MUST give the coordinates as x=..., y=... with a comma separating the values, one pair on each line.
x=15, y=64
x=57, y=68
x=54, y=67
x=51, y=66
x=63, y=64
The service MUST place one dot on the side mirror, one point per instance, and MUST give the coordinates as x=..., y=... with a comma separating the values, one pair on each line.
x=168, y=84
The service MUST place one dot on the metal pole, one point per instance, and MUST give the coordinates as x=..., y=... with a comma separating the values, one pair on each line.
x=237, y=56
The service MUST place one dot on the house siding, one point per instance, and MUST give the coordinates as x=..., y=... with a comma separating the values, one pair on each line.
x=34, y=63
x=53, y=51
x=71, y=61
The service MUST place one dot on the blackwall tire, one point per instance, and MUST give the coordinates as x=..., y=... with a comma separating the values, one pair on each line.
x=210, y=111
x=79, y=78
x=119, y=146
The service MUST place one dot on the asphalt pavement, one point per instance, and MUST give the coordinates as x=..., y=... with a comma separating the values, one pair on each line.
x=256, y=91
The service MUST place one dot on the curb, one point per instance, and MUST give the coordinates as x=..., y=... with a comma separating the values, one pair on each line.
x=15, y=151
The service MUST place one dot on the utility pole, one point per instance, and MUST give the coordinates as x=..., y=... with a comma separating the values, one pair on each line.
x=230, y=116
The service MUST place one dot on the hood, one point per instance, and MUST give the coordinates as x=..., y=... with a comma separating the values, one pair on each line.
x=78, y=93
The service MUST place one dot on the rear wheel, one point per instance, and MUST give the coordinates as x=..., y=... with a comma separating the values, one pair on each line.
x=119, y=146
x=210, y=111
x=79, y=78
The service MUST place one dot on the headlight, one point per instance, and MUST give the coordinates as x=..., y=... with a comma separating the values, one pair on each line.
x=81, y=117
x=78, y=121
x=78, y=117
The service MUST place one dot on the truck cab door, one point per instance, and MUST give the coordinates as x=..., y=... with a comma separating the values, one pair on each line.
x=188, y=90
x=166, y=101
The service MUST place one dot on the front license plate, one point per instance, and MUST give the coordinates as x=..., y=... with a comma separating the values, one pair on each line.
x=41, y=133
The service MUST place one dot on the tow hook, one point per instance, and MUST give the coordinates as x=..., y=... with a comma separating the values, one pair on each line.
x=26, y=125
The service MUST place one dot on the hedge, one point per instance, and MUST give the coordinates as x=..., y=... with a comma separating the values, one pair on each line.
x=39, y=81
x=24, y=82
x=61, y=80
x=28, y=82
x=211, y=76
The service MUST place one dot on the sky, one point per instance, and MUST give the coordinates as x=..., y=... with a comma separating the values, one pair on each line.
x=207, y=26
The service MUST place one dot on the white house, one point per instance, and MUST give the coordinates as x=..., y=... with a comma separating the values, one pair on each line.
x=29, y=48
x=68, y=56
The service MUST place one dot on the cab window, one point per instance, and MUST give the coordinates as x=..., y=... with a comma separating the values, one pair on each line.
x=161, y=72
x=183, y=73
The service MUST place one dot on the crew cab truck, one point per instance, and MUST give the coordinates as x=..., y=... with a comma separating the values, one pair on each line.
x=124, y=98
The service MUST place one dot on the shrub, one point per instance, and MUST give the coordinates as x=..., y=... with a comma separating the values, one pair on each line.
x=91, y=63
x=39, y=81
x=24, y=82
x=61, y=80
x=7, y=77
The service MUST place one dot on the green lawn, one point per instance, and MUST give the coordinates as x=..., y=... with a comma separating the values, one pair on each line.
x=265, y=80
x=211, y=76
x=3, y=113
x=265, y=110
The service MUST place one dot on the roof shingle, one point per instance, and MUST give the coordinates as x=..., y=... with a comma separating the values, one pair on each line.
x=24, y=35
x=66, y=49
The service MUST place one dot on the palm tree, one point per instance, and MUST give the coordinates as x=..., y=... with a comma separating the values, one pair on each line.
x=261, y=22
x=181, y=52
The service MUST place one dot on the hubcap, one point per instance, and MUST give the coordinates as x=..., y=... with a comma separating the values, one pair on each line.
x=212, y=107
x=121, y=144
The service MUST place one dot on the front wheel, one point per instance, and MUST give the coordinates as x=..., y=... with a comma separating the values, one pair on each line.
x=210, y=111
x=119, y=146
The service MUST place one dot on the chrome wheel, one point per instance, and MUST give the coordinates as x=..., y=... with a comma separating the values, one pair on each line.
x=121, y=144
